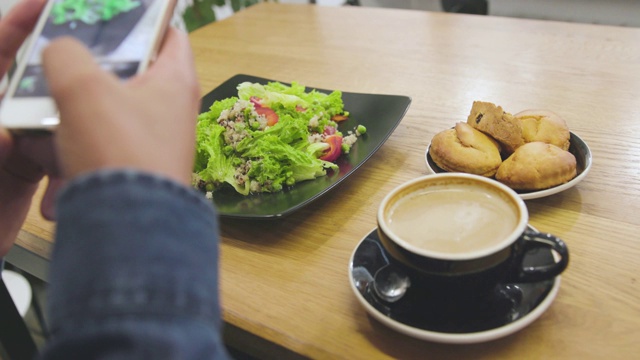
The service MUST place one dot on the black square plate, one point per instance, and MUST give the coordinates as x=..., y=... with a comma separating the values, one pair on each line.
x=381, y=114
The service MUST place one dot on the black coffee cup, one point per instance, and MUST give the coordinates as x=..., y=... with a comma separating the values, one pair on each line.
x=464, y=234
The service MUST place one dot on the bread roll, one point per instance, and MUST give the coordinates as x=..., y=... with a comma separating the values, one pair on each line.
x=545, y=126
x=537, y=166
x=465, y=149
x=497, y=123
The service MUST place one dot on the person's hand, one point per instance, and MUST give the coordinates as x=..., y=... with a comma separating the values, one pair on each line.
x=146, y=123
x=20, y=171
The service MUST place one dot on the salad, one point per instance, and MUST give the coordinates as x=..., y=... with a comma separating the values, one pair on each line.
x=270, y=137
x=90, y=11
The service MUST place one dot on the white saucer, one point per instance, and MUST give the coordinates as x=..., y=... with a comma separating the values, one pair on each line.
x=578, y=148
x=528, y=304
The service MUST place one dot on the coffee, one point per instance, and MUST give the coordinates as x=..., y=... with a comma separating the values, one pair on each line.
x=463, y=234
x=453, y=220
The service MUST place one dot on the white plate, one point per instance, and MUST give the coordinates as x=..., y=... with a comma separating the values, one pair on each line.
x=577, y=147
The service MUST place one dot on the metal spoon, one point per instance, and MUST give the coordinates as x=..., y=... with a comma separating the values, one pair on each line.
x=391, y=283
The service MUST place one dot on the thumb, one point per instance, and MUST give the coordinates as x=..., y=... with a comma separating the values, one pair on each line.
x=72, y=73
x=80, y=89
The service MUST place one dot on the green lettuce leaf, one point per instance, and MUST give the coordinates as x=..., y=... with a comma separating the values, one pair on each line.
x=214, y=163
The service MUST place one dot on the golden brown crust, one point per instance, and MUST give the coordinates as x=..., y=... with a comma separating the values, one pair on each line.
x=465, y=149
x=497, y=123
x=545, y=126
x=537, y=166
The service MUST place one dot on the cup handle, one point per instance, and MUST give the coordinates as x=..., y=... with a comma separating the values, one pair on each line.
x=537, y=240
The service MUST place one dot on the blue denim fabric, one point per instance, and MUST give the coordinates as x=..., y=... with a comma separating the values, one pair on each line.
x=134, y=271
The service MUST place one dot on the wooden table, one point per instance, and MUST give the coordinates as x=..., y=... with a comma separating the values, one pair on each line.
x=284, y=283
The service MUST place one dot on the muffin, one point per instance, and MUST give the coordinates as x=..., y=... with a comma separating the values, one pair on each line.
x=545, y=126
x=465, y=149
x=536, y=166
x=497, y=123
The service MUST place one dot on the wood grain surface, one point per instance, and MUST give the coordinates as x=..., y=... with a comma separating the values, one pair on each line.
x=285, y=281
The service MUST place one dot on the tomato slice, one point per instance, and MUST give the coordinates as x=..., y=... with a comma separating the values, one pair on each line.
x=335, y=149
x=267, y=112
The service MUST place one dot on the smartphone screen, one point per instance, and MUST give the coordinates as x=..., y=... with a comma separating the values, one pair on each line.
x=118, y=34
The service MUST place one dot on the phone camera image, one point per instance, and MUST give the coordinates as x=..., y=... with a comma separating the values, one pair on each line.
x=122, y=36
x=117, y=32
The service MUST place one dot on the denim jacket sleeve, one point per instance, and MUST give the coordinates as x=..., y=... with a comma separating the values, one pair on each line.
x=134, y=271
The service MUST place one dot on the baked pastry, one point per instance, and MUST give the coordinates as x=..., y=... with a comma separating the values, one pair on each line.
x=465, y=149
x=545, y=126
x=536, y=166
x=497, y=123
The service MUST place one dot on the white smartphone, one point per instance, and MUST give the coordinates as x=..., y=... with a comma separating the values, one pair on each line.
x=123, y=36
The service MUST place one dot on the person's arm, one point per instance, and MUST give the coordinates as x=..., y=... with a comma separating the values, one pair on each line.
x=134, y=270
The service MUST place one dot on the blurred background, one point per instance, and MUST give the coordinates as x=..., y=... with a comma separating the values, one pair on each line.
x=606, y=12
x=191, y=14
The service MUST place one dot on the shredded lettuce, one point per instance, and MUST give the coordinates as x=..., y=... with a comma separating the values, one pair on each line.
x=239, y=146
